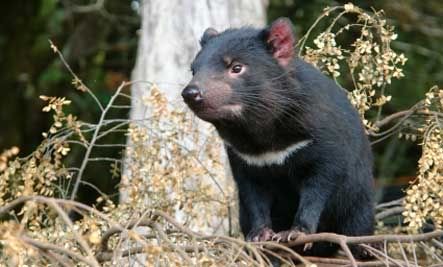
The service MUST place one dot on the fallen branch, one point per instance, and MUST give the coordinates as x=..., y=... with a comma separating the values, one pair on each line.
x=341, y=240
x=254, y=252
x=50, y=247
x=336, y=238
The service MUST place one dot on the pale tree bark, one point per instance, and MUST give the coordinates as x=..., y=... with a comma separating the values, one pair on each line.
x=169, y=40
x=170, y=36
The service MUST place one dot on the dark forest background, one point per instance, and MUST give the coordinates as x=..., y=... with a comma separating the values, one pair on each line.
x=100, y=45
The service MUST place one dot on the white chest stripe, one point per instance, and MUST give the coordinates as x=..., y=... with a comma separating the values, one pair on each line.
x=273, y=157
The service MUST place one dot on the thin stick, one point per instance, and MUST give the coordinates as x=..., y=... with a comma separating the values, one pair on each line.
x=94, y=139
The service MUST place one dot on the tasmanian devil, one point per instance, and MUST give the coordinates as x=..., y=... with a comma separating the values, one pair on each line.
x=297, y=149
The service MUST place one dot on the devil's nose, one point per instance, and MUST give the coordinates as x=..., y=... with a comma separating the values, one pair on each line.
x=192, y=95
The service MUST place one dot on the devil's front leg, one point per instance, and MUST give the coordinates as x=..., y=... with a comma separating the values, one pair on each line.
x=254, y=202
x=255, y=211
x=314, y=192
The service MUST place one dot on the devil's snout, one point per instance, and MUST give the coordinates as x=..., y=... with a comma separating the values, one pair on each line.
x=192, y=95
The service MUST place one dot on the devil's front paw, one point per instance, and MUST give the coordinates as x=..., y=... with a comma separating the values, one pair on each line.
x=288, y=235
x=291, y=235
x=260, y=234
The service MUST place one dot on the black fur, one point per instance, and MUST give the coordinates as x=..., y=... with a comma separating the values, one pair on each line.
x=326, y=186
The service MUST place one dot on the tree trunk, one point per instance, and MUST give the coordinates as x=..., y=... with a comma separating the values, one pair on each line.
x=169, y=40
x=170, y=36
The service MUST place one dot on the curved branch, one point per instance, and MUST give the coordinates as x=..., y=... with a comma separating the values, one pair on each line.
x=61, y=250
x=394, y=116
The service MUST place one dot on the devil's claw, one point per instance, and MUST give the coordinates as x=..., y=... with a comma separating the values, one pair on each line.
x=288, y=235
x=307, y=246
x=260, y=235
x=291, y=235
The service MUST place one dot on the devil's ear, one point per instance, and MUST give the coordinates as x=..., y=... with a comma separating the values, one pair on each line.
x=207, y=35
x=280, y=40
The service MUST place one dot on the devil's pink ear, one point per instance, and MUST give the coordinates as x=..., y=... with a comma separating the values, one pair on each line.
x=207, y=35
x=281, y=41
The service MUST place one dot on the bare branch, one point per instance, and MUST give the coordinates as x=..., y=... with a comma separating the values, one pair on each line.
x=389, y=212
x=94, y=139
x=58, y=249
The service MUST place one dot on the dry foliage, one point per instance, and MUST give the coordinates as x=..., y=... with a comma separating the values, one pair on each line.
x=424, y=199
x=163, y=174
x=163, y=146
x=369, y=59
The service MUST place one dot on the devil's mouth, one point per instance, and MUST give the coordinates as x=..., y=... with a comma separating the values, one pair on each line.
x=205, y=112
x=210, y=113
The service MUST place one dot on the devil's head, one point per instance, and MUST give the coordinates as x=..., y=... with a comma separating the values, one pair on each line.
x=242, y=72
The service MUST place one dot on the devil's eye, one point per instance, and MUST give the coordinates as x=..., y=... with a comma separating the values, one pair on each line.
x=237, y=68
